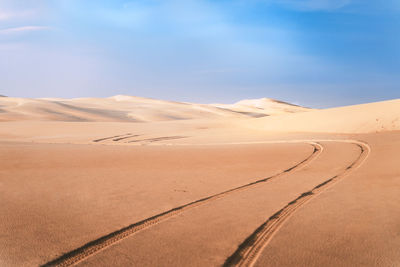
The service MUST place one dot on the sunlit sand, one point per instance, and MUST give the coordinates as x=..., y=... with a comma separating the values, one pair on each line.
x=131, y=181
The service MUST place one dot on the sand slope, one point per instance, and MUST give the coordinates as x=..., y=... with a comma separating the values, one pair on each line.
x=133, y=109
x=263, y=106
x=365, y=118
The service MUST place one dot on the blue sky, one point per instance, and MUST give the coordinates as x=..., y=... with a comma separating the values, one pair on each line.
x=317, y=53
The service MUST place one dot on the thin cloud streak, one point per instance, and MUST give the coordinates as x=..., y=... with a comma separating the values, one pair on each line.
x=24, y=29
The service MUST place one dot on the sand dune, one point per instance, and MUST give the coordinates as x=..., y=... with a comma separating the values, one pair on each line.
x=258, y=182
x=133, y=109
x=82, y=121
x=262, y=107
x=365, y=118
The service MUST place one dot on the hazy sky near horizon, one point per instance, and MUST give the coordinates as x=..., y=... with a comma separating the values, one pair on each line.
x=317, y=53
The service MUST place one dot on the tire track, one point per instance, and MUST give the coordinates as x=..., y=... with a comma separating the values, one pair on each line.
x=251, y=248
x=156, y=139
x=111, y=137
x=103, y=242
x=125, y=137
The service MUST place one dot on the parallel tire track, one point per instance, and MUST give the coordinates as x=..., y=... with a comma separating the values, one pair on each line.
x=95, y=246
x=251, y=248
x=111, y=137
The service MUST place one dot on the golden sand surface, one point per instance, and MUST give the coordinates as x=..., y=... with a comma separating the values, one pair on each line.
x=216, y=185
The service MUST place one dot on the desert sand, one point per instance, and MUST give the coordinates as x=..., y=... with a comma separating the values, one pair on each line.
x=130, y=181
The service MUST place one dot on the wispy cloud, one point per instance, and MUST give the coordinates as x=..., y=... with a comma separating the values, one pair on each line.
x=201, y=49
x=23, y=29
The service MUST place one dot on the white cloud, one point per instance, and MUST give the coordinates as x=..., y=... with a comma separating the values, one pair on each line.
x=23, y=29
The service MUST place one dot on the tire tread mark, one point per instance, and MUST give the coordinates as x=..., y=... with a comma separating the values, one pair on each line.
x=125, y=137
x=156, y=139
x=249, y=250
x=95, y=246
x=111, y=137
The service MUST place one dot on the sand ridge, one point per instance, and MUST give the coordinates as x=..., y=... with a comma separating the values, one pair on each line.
x=133, y=109
x=365, y=118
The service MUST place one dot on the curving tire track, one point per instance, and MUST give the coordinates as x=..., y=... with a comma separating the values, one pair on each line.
x=251, y=248
x=103, y=242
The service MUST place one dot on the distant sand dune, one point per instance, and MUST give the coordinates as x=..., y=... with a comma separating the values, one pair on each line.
x=133, y=109
x=263, y=106
x=365, y=118
x=260, y=114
